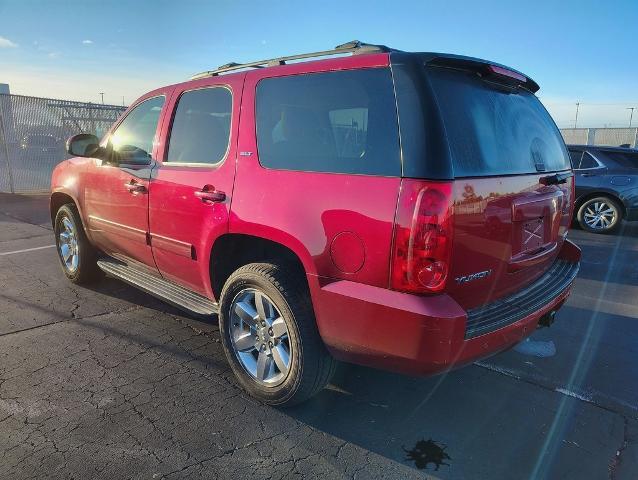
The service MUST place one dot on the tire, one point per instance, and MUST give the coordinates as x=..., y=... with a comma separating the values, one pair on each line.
x=80, y=267
x=599, y=215
x=310, y=366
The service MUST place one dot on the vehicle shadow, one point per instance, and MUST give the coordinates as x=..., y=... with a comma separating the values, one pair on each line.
x=33, y=209
x=463, y=413
x=115, y=288
x=608, y=258
x=141, y=299
x=376, y=410
x=628, y=229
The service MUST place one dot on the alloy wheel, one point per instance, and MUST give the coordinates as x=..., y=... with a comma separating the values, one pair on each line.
x=68, y=245
x=259, y=337
x=599, y=215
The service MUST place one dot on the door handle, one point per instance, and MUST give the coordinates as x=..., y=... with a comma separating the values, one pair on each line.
x=521, y=261
x=134, y=187
x=208, y=194
x=556, y=179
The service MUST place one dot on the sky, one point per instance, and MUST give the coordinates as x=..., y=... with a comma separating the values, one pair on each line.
x=578, y=51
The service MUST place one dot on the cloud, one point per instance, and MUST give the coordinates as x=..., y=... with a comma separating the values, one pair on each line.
x=54, y=55
x=6, y=43
x=87, y=42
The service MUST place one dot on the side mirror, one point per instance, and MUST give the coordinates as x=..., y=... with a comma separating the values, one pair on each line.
x=83, y=145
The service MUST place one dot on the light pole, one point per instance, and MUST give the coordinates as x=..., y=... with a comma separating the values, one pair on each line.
x=631, y=115
x=576, y=119
x=102, y=94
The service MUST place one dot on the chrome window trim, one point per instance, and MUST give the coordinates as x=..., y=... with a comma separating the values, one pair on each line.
x=600, y=164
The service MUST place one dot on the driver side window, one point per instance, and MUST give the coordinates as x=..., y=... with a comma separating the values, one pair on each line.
x=133, y=139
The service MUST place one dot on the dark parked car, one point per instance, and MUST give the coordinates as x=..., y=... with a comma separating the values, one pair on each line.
x=40, y=149
x=606, y=186
x=354, y=211
x=40, y=142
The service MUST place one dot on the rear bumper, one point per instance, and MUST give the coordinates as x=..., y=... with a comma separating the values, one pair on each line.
x=426, y=335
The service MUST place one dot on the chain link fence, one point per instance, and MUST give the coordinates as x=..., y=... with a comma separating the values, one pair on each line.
x=614, y=137
x=33, y=133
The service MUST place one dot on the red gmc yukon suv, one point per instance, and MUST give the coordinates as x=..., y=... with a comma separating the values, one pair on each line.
x=406, y=211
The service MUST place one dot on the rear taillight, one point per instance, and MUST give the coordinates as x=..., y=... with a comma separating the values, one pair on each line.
x=422, y=237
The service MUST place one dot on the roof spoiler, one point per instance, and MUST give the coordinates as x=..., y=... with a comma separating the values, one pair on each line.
x=488, y=70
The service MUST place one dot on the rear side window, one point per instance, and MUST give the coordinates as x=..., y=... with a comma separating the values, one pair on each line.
x=341, y=122
x=201, y=126
x=588, y=161
x=624, y=159
x=575, y=155
x=493, y=130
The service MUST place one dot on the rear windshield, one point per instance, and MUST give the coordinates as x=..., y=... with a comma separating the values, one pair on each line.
x=495, y=131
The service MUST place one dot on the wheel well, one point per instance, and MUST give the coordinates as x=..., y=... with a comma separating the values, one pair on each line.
x=584, y=198
x=232, y=251
x=57, y=200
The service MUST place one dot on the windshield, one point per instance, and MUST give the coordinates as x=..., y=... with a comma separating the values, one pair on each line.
x=495, y=131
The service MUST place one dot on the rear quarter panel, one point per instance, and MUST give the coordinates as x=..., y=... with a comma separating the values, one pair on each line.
x=339, y=225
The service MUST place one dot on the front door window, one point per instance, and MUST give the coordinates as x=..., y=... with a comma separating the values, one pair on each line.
x=134, y=138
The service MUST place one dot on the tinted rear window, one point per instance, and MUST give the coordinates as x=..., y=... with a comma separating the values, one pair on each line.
x=624, y=159
x=576, y=156
x=588, y=161
x=340, y=122
x=201, y=127
x=494, y=131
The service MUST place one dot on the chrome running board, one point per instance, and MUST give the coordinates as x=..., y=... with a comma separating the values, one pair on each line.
x=165, y=290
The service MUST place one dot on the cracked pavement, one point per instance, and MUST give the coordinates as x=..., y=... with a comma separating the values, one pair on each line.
x=109, y=382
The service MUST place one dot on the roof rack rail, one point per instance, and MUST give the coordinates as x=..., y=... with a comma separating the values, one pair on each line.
x=353, y=47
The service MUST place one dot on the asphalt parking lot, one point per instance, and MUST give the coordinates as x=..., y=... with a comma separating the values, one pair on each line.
x=107, y=382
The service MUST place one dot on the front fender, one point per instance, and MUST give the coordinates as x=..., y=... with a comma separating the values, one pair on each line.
x=67, y=184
